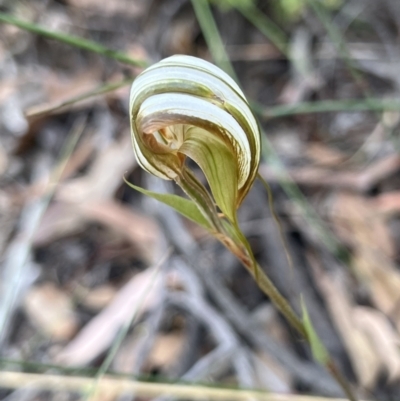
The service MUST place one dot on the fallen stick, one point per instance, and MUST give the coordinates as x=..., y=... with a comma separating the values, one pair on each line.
x=118, y=386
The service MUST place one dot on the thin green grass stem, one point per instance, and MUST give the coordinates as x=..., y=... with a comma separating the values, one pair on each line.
x=337, y=38
x=74, y=41
x=265, y=25
x=100, y=90
x=195, y=190
x=280, y=302
x=327, y=106
x=122, y=333
x=217, y=49
x=212, y=37
x=277, y=299
x=349, y=105
x=10, y=294
x=267, y=286
x=293, y=191
x=276, y=220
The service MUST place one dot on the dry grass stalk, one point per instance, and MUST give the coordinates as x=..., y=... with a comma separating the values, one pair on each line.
x=115, y=386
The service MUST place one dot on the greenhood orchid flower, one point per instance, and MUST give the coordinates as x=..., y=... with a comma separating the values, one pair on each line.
x=184, y=107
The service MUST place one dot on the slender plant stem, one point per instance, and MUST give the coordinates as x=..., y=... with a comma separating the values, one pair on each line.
x=335, y=372
x=205, y=18
x=326, y=106
x=212, y=37
x=73, y=41
x=39, y=111
x=352, y=105
x=198, y=193
x=116, y=387
x=266, y=285
x=277, y=298
x=265, y=25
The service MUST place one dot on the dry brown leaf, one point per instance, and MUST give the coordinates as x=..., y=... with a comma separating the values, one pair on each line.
x=366, y=230
x=166, y=351
x=104, y=177
x=304, y=78
x=382, y=279
x=78, y=158
x=269, y=320
x=64, y=218
x=383, y=337
x=365, y=361
x=3, y=160
x=7, y=88
x=51, y=311
x=88, y=198
x=126, y=358
x=61, y=88
x=270, y=375
x=123, y=7
x=253, y=51
x=97, y=298
x=137, y=296
x=323, y=155
x=387, y=203
x=178, y=38
x=9, y=210
x=142, y=231
x=105, y=394
x=60, y=219
x=360, y=181
x=360, y=225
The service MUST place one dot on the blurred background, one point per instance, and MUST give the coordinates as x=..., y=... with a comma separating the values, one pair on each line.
x=96, y=278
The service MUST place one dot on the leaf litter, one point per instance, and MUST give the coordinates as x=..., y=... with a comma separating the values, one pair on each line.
x=86, y=255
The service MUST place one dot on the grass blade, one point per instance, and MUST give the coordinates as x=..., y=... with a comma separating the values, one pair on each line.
x=212, y=36
x=71, y=40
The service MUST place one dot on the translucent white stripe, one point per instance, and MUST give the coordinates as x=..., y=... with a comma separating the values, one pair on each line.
x=222, y=96
x=189, y=107
x=200, y=64
x=167, y=74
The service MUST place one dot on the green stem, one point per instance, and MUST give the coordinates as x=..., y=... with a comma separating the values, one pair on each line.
x=277, y=298
x=101, y=90
x=335, y=372
x=325, y=106
x=212, y=37
x=72, y=40
x=265, y=25
x=352, y=105
x=199, y=194
x=280, y=302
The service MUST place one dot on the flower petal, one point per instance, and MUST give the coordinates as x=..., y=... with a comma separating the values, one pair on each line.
x=186, y=90
x=219, y=166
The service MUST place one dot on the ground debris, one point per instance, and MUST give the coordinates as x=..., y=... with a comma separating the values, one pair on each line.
x=94, y=275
